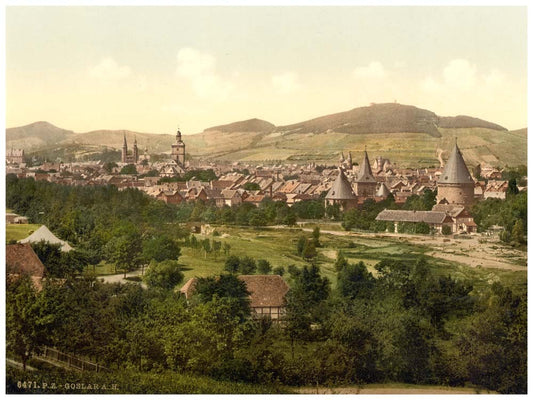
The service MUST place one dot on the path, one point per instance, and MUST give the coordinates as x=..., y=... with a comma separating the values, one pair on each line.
x=119, y=278
x=18, y=365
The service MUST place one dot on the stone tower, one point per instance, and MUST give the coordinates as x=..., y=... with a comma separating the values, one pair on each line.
x=178, y=150
x=365, y=183
x=341, y=193
x=455, y=185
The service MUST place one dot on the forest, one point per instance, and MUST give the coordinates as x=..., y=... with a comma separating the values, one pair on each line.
x=404, y=324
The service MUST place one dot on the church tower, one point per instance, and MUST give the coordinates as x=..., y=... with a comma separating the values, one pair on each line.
x=178, y=150
x=135, y=152
x=365, y=183
x=455, y=185
x=124, y=150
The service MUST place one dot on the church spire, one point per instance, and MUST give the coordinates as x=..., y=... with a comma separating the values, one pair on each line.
x=365, y=172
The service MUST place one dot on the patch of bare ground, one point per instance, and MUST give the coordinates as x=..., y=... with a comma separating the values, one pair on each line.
x=473, y=251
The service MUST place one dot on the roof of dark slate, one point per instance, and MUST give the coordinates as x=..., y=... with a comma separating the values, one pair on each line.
x=429, y=217
x=365, y=172
x=455, y=170
x=341, y=189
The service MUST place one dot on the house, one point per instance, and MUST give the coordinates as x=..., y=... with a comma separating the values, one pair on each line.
x=267, y=294
x=44, y=234
x=170, y=196
x=435, y=219
x=22, y=260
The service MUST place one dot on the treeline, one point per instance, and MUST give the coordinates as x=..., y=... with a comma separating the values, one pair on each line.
x=405, y=324
x=511, y=214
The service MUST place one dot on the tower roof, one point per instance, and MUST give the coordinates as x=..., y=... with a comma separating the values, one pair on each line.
x=365, y=172
x=341, y=189
x=383, y=190
x=455, y=170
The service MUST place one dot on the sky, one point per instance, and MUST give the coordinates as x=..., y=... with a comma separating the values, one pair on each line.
x=154, y=69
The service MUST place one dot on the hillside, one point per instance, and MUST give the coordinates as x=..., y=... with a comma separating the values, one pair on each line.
x=407, y=135
x=35, y=135
x=377, y=118
x=250, y=125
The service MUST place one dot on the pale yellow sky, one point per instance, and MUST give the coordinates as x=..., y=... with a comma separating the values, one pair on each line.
x=151, y=69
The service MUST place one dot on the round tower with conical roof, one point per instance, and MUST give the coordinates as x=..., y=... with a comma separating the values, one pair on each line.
x=341, y=193
x=455, y=185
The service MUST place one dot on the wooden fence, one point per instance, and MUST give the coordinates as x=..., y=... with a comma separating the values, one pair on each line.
x=71, y=361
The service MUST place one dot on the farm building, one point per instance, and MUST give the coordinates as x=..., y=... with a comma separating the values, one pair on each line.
x=267, y=294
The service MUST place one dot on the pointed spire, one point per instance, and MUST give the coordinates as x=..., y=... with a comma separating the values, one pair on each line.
x=455, y=170
x=341, y=188
x=365, y=172
x=125, y=144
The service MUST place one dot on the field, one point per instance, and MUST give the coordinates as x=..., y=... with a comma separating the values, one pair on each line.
x=492, y=262
x=497, y=148
x=19, y=231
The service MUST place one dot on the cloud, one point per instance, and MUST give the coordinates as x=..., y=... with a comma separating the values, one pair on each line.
x=374, y=70
x=200, y=70
x=286, y=82
x=461, y=76
x=108, y=69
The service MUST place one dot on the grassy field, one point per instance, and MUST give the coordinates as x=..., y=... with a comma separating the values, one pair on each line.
x=19, y=231
x=278, y=246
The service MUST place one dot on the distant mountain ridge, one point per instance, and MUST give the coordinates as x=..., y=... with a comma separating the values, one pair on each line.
x=387, y=118
x=405, y=133
x=250, y=125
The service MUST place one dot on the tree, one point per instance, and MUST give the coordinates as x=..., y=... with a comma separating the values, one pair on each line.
x=216, y=245
x=316, y=236
x=165, y=274
x=206, y=245
x=300, y=244
x=110, y=166
x=247, y=265
x=225, y=286
x=232, y=264
x=251, y=186
x=226, y=247
x=160, y=248
x=309, y=250
x=129, y=169
x=518, y=232
x=264, y=267
x=354, y=280
x=446, y=230
x=22, y=319
x=125, y=251
x=340, y=262
x=512, y=189
x=279, y=271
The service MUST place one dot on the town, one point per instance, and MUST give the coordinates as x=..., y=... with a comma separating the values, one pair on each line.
x=346, y=185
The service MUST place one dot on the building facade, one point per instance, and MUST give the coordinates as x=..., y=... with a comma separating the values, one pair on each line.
x=132, y=158
x=178, y=150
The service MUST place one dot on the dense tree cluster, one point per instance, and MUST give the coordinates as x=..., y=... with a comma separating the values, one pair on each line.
x=404, y=324
x=511, y=214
